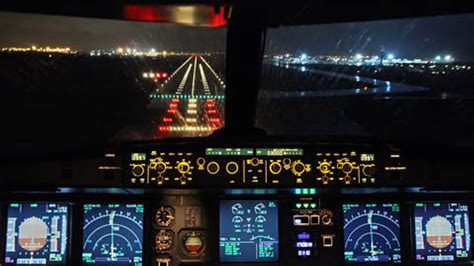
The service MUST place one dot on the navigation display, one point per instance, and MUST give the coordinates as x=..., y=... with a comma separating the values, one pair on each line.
x=248, y=231
x=442, y=232
x=37, y=234
x=372, y=233
x=113, y=234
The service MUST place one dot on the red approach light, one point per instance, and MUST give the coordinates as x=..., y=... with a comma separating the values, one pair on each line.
x=171, y=111
x=212, y=111
x=164, y=128
x=173, y=105
x=158, y=75
x=215, y=120
x=164, y=74
x=167, y=119
x=174, y=100
x=155, y=80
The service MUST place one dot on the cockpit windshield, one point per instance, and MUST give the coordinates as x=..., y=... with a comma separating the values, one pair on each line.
x=392, y=79
x=97, y=81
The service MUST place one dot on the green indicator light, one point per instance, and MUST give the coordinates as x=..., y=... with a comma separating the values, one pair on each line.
x=298, y=191
x=312, y=191
x=15, y=205
x=305, y=205
x=298, y=205
x=313, y=205
x=305, y=191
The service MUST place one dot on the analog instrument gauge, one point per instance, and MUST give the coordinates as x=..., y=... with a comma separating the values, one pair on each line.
x=194, y=243
x=165, y=216
x=164, y=240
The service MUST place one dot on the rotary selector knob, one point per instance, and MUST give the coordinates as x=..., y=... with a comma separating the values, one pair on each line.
x=326, y=219
x=254, y=162
x=275, y=168
x=183, y=167
x=368, y=170
x=138, y=170
x=325, y=167
x=213, y=168
x=347, y=167
x=160, y=167
x=232, y=168
x=298, y=168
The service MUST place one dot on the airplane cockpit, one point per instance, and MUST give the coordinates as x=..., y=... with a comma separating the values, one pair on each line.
x=189, y=133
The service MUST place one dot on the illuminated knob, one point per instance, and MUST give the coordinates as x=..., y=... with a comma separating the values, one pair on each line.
x=232, y=168
x=347, y=179
x=138, y=170
x=287, y=163
x=213, y=168
x=254, y=161
x=183, y=167
x=275, y=168
x=347, y=168
x=326, y=219
x=160, y=167
x=325, y=167
x=298, y=168
x=368, y=170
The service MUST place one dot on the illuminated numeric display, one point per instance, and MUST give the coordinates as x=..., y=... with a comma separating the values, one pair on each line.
x=248, y=231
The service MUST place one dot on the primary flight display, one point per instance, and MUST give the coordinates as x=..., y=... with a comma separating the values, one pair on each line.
x=37, y=233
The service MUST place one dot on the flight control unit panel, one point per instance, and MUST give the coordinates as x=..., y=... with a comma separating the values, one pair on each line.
x=318, y=166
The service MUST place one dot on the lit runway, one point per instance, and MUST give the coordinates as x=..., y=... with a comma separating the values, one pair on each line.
x=192, y=99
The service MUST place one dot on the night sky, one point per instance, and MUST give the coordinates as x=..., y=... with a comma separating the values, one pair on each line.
x=407, y=38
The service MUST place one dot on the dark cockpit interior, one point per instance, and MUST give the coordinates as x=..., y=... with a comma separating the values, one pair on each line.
x=268, y=133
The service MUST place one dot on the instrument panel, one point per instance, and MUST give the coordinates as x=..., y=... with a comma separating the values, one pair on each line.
x=317, y=166
x=188, y=228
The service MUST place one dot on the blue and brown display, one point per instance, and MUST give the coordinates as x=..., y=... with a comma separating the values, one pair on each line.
x=113, y=234
x=248, y=231
x=442, y=232
x=37, y=233
x=372, y=233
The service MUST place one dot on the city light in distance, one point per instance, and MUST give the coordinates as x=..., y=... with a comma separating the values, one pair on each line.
x=390, y=56
x=38, y=49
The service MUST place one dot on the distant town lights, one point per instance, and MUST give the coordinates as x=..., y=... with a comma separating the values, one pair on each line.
x=358, y=56
x=390, y=56
x=438, y=58
x=304, y=56
x=448, y=58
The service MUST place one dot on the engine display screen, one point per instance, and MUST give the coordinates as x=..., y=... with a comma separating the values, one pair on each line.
x=37, y=233
x=442, y=232
x=248, y=231
x=113, y=234
x=372, y=233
